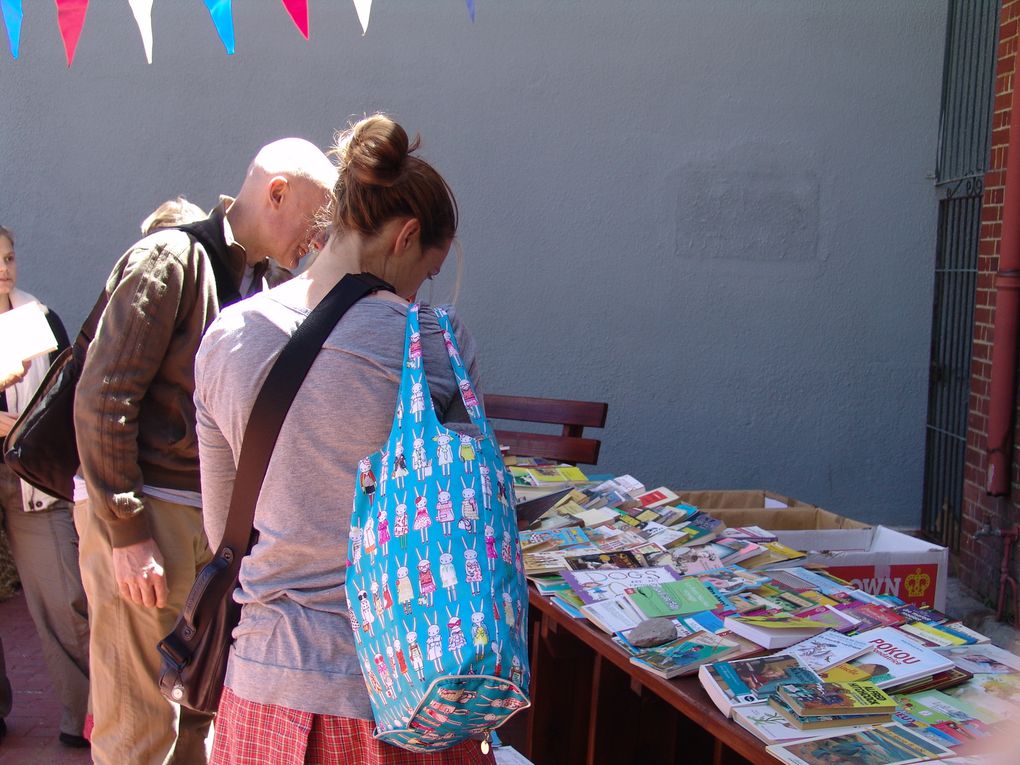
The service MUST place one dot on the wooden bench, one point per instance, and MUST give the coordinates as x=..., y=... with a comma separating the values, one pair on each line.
x=570, y=445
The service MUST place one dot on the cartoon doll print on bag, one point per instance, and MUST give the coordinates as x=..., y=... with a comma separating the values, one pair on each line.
x=355, y=545
x=366, y=478
x=383, y=526
x=405, y=592
x=479, y=635
x=447, y=572
x=467, y=452
x=444, y=451
x=414, y=351
x=422, y=519
x=426, y=582
x=444, y=509
x=468, y=508
x=400, y=523
x=472, y=570
x=451, y=349
x=432, y=688
x=456, y=639
x=399, y=465
x=387, y=598
x=484, y=473
x=420, y=463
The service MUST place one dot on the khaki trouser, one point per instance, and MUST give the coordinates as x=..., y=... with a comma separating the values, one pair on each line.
x=45, y=549
x=134, y=723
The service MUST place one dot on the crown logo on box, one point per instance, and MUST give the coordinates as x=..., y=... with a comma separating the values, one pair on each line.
x=917, y=583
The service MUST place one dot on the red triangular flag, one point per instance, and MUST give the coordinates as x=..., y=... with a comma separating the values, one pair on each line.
x=298, y=10
x=71, y=18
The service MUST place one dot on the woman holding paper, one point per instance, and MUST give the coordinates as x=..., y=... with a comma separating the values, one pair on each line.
x=42, y=535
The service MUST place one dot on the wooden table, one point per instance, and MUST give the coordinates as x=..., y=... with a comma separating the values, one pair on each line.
x=590, y=705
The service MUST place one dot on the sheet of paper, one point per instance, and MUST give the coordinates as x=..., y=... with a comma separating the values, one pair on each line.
x=26, y=333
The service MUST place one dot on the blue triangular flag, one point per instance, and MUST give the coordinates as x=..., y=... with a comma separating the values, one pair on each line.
x=12, y=19
x=471, y=9
x=223, y=18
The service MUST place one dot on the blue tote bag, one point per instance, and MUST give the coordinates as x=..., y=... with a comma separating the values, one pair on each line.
x=435, y=581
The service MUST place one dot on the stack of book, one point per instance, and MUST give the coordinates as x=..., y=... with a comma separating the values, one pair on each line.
x=833, y=705
x=814, y=667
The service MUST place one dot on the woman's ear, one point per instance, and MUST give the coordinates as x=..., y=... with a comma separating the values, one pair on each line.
x=408, y=236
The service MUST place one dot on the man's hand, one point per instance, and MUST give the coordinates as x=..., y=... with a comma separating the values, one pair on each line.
x=139, y=572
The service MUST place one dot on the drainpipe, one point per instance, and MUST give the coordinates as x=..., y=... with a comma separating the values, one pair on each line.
x=1002, y=385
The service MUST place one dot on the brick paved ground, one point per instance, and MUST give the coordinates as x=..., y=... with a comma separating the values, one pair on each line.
x=32, y=725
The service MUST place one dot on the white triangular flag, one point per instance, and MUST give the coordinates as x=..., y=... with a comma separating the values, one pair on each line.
x=364, y=9
x=143, y=17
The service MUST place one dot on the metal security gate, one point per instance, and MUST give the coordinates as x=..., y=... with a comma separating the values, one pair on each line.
x=964, y=129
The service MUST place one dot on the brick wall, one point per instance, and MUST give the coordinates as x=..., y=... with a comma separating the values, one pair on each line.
x=979, y=558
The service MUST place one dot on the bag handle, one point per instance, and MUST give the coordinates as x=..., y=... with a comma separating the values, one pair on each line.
x=462, y=379
x=274, y=400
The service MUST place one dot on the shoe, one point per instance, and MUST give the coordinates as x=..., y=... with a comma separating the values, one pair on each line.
x=73, y=741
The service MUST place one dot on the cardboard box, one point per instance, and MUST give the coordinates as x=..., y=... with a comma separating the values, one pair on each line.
x=889, y=563
x=876, y=559
x=748, y=499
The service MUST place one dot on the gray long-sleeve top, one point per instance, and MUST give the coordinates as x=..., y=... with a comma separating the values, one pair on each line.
x=294, y=646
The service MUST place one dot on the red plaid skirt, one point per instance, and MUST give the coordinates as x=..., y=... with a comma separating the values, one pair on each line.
x=248, y=733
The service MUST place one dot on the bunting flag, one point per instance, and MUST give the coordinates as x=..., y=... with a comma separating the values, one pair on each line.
x=12, y=20
x=223, y=18
x=143, y=17
x=71, y=18
x=364, y=9
x=298, y=10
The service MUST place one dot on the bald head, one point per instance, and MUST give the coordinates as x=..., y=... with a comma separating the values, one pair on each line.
x=287, y=183
x=295, y=158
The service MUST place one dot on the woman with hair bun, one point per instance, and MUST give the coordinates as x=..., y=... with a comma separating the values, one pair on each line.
x=294, y=689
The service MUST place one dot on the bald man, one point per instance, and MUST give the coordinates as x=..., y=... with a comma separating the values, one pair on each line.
x=142, y=541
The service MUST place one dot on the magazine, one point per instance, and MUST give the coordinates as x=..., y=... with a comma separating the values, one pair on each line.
x=684, y=656
x=836, y=698
x=893, y=658
x=826, y=650
x=768, y=725
x=996, y=694
x=840, y=621
x=984, y=660
x=884, y=745
x=686, y=596
x=696, y=560
x=750, y=681
x=825, y=722
x=621, y=559
x=598, y=584
x=774, y=631
x=615, y=614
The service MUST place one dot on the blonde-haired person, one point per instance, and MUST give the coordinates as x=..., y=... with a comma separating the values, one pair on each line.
x=42, y=536
x=294, y=690
x=172, y=212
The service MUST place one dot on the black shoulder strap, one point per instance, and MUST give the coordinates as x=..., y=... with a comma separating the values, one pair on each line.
x=57, y=328
x=88, y=329
x=274, y=400
x=209, y=233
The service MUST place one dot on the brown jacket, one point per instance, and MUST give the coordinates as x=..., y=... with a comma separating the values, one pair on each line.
x=133, y=412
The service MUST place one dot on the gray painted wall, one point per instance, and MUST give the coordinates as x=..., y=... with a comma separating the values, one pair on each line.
x=715, y=215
